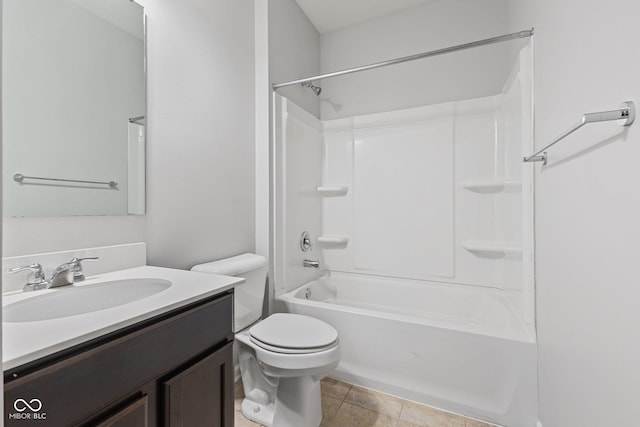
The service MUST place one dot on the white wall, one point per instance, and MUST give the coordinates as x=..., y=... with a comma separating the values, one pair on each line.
x=587, y=210
x=201, y=167
x=433, y=25
x=294, y=52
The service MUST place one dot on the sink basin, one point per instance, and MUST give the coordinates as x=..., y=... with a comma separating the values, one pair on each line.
x=74, y=300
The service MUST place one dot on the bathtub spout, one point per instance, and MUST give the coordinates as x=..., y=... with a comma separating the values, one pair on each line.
x=311, y=264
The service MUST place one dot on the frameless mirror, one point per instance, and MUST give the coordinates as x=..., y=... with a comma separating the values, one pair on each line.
x=73, y=94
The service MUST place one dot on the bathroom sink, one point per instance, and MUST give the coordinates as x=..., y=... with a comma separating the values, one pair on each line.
x=74, y=300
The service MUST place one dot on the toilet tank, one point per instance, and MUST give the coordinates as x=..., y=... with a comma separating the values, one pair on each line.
x=248, y=298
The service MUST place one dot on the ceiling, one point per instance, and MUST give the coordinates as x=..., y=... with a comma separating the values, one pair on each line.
x=330, y=15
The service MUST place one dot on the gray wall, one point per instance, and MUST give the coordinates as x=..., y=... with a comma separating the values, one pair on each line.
x=78, y=100
x=587, y=210
x=434, y=25
x=1, y=252
x=23, y=236
x=294, y=52
x=200, y=137
x=35, y=235
x=200, y=170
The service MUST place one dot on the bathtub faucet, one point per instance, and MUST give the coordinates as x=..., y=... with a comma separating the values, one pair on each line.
x=311, y=264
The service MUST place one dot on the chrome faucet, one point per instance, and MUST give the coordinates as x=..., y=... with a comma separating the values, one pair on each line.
x=38, y=282
x=63, y=275
x=69, y=272
x=76, y=268
x=311, y=264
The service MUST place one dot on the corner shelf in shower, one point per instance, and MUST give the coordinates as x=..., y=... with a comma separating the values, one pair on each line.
x=491, y=248
x=332, y=191
x=333, y=240
x=490, y=186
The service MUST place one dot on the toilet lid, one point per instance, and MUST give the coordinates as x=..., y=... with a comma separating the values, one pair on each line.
x=294, y=331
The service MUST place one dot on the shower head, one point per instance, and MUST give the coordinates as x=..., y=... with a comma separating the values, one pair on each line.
x=315, y=89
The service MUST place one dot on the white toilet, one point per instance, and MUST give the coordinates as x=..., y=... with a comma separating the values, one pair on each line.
x=283, y=357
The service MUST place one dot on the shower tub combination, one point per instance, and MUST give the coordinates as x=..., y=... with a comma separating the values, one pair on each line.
x=461, y=349
x=420, y=191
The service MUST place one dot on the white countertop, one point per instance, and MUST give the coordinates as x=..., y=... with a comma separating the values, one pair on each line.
x=24, y=342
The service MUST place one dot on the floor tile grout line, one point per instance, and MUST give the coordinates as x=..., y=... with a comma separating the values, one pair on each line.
x=403, y=404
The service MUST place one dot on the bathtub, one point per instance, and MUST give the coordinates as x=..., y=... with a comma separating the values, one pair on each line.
x=459, y=348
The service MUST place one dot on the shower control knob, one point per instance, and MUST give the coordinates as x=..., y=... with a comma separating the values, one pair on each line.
x=305, y=242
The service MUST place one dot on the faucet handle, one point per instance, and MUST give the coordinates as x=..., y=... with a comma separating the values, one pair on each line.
x=35, y=267
x=38, y=282
x=76, y=267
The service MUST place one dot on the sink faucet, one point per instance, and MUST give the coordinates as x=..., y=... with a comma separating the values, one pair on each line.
x=69, y=272
x=76, y=268
x=63, y=275
x=38, y=282
x=311, y=264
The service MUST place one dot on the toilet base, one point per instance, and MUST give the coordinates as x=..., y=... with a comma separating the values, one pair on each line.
x=297, y=404
x=256, y=412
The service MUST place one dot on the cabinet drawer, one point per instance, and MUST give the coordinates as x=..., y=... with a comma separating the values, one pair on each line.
x=84, y=384
x=133, y=415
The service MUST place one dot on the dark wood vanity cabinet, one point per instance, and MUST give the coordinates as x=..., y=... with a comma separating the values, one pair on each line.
x=189, y=399
x=175, y=370
x=134, y=415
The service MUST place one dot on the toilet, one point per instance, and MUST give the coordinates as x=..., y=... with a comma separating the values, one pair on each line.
x=282, y=358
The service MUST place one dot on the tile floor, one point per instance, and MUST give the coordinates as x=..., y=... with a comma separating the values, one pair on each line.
x=346, y=405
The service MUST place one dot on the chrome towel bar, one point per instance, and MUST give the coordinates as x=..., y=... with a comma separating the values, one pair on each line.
x=18, y=177
x=626, y=112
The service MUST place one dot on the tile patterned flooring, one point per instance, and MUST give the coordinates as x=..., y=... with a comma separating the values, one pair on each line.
x=346, y=405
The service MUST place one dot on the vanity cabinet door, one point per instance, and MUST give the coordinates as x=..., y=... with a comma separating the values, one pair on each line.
x=202, y=394
x=133, y=415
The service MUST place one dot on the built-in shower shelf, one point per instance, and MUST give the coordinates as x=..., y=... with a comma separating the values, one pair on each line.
x=491, y=248
x=490, y=186
x=332, y=191
x=333, y=240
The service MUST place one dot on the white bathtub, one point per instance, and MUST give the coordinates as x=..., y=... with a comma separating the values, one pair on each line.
x=459, y=348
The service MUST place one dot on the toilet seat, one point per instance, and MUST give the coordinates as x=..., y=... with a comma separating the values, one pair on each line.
x=285, y=350
x=293, y=334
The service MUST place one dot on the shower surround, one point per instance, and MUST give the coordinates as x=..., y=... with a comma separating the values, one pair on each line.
x=422, y=221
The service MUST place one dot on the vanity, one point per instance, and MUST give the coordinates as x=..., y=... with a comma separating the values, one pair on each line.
x=160, y=355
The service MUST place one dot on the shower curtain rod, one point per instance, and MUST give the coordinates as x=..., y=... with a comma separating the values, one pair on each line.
x=506, y=37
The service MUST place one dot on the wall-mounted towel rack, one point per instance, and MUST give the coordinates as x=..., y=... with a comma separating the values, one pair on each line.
x=18, y=177
x=626, y=112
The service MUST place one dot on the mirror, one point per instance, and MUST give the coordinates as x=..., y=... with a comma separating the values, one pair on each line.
x=73, y=86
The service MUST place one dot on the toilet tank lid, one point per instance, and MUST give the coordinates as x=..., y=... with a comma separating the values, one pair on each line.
x=232, y=266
